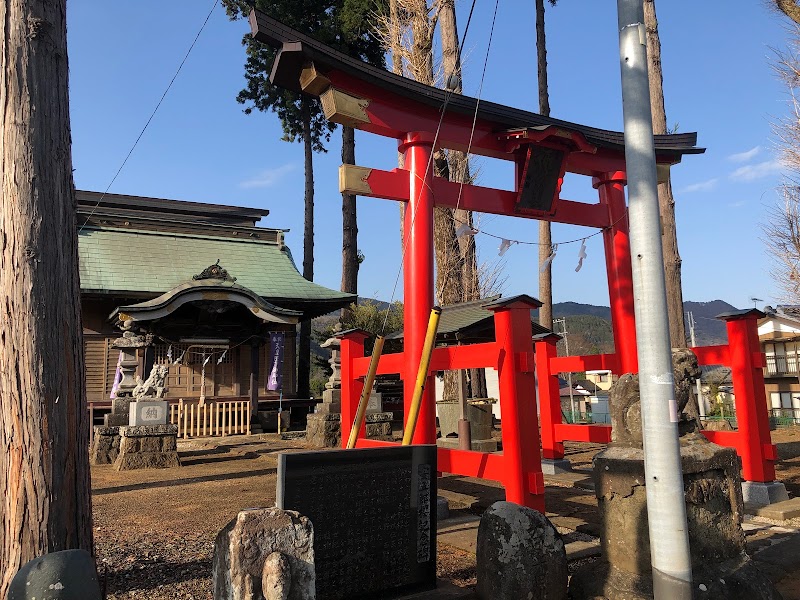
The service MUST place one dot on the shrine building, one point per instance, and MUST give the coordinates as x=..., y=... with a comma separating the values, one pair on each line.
x=205, y=283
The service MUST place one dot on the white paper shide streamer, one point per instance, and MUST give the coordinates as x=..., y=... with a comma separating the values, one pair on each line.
x=549, y=259
x=581, y=255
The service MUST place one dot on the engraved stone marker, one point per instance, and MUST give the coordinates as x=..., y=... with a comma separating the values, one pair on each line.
x=148, y=413
x=373, y=516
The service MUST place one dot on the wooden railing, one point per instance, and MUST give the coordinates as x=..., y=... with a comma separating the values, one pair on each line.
x=211, y=418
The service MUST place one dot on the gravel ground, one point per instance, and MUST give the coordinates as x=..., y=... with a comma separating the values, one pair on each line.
x=155, y=530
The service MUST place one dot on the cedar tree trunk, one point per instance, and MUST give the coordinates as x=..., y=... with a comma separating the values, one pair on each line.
x=349, y=220
x=666, y=203
x=44, y=428
x=545, y=241
x=304, y=350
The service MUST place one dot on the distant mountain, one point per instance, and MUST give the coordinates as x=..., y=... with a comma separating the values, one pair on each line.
x=589, y=326
x=708, y=330
x=568, y=309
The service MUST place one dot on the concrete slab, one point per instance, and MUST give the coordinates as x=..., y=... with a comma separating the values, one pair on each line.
x=578, y=550
x=462, y=533
x=578, y=479
x=444, y=591
x=781, y=511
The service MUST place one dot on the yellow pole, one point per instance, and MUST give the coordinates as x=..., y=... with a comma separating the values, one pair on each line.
x=362, y=403
x=422, y=374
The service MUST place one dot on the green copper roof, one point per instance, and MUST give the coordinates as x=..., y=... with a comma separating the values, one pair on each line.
x=115, y=260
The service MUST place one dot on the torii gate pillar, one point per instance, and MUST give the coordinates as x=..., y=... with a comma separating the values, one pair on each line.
x=418, y=278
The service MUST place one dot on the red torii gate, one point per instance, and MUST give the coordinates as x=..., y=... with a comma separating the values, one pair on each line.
x=543, y=150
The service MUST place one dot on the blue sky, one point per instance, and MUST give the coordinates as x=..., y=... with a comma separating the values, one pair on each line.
x=201, y=146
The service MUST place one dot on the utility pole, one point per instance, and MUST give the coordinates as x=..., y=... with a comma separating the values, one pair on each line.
x=563, y=322
x=666, y=508
x=701, y=405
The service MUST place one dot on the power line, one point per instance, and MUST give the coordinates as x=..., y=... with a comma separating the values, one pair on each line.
x=153, y=114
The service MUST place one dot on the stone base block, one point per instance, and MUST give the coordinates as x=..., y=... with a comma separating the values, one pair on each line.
x=333, y=396
x=757, y=494
x=120, y=410
x=147, y=447
x=328, y=408
x=324, y=430
x=105, y=446
x=735, y=579
x=379, y=425
x=554, y=466
x=268, y=419
x=479, y=415
x=442, y=509
x=476, y=445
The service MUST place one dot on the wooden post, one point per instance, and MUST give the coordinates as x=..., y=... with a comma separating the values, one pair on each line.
x=255, y=356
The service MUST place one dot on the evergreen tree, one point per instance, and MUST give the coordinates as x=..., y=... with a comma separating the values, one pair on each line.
x=342, y=25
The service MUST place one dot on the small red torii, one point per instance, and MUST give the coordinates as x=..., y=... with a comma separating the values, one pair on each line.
x=543, y=149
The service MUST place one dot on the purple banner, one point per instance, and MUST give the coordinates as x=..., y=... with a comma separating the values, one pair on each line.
x=275, y=377
x=117, y=377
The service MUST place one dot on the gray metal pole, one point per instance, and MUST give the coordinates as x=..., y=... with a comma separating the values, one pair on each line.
x=666, y=511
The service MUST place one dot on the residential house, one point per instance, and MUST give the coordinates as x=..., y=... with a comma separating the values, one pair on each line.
x=779, y=334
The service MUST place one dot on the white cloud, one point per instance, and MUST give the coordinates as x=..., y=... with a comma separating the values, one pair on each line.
x=268, y=177
x=757, y=170
x=745, y=156
x=738, y=204
x=702, y=186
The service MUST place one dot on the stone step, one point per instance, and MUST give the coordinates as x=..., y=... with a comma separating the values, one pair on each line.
x=780, y=511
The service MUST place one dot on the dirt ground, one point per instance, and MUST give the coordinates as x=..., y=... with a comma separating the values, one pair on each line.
x=155, y=530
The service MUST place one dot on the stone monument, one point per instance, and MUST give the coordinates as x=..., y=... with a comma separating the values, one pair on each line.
x=148, y=441
x=713, y=497
x=105, y=447
x=324, y=425
x=520, y=554
x=136, y=434
x=374, y=517
x=265, y=553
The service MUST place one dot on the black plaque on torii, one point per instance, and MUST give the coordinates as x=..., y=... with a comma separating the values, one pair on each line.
x=374, y=517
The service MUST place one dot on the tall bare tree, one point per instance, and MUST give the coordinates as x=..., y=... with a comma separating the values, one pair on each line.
x=545, y=238
x=459, y=171
x=666, y=201
x=790, y=8
x=782, y=226
x=44, y=429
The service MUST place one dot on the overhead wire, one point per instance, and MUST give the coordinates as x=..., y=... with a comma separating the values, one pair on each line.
x=407, y=234
x=152, y=114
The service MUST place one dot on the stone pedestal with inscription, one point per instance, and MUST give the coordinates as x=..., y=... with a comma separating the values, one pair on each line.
x=712, y=495
x=147, y=447
x=374, y=517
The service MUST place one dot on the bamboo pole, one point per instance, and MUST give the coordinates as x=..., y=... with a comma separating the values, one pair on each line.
x=422, y=375
x=364, y=400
